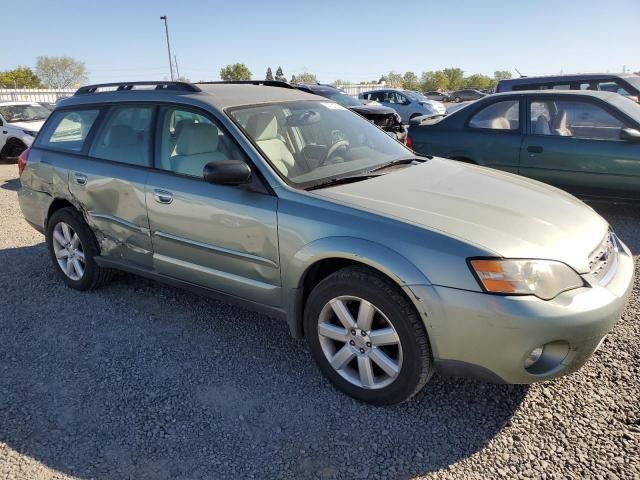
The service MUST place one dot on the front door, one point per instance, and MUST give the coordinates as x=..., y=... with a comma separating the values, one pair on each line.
x=219, y=237
x=575, y=144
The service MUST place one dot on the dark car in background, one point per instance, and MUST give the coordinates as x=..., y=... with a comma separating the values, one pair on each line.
x=466, y=95
x=585, y=142
x=384, y=117
x=626, y=84
x=439, y=96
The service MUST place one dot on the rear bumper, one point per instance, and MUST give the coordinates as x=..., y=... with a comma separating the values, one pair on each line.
x=489, y=337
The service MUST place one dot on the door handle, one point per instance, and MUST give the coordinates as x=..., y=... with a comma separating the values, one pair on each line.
x=80, y=178
x=162, y=196
x=534, y=149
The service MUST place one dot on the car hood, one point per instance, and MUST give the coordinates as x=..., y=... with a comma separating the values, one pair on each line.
x=506, y=215
x=372, y=109
x=31, y=126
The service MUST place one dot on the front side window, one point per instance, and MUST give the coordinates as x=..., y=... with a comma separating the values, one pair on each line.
x=189, y=140
x=503, y=115
x=574, y=119
x=67, y=130
x=125, y=136
x=308, y=142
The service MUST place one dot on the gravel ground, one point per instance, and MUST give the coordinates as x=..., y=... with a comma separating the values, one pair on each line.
x=139, y=380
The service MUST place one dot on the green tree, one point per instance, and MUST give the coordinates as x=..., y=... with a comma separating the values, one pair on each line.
x=306, y=77
x=293, y=79
x=410, y=81
x=20, y=77
x=501, y=75
x=434, y=81
x=269, y=75
x=236, y=71
x=280, y=75
x=478, y=81
x=61, y=72
x=455, y=78
x=394, y=79
x=338, y=83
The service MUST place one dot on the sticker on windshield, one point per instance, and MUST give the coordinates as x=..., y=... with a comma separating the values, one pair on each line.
x=333, y=106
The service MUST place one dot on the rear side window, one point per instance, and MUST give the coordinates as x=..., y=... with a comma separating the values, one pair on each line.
x=125, y=136
x=67, y=130
x=504, y=115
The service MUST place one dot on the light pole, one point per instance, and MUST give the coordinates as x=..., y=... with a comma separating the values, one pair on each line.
x=166, y=29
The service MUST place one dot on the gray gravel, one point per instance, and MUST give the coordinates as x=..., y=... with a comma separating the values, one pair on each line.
x=139, y=380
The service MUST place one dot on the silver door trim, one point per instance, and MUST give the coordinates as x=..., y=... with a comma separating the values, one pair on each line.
x=221, y=250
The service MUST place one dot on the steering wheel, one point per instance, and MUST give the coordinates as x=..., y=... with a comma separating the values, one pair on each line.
x=333, y=149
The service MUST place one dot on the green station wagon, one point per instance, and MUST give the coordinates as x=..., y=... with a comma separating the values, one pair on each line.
x=585, y=142
x=391, y=265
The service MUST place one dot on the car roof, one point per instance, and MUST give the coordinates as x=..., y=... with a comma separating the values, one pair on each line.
x=573, y=76
x=217, y=95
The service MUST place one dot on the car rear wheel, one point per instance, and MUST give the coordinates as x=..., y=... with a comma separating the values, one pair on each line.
x=366, y=337
x=12, y=150
x=457, y=99
x=73, y=249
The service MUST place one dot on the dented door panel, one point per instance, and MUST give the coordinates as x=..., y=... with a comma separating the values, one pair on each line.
x=112, y=199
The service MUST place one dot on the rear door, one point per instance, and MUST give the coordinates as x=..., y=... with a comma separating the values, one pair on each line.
x=574, y=143
x=108, y=179
x=220, y=237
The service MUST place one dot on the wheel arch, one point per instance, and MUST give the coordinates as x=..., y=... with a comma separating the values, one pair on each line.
x=320, y=259
x=56, y=205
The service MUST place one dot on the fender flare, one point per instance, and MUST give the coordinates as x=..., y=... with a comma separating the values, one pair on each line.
x=366, y=252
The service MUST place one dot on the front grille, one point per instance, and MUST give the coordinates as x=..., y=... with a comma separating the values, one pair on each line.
x=604, y=258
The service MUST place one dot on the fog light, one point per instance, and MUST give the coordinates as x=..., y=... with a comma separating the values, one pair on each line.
x=533, y=357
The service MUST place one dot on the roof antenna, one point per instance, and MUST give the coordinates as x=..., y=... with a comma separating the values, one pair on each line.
x=521, y=75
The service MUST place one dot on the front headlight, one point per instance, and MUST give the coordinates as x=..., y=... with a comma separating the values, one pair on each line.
x=543, y=278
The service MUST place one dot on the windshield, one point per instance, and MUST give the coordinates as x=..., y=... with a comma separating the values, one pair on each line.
x=633, y=81
x=416, y=96
x=310, y=142
x=345, y=100
x=23, y=113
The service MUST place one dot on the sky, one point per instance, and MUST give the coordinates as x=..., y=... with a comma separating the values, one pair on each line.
x=353, y=40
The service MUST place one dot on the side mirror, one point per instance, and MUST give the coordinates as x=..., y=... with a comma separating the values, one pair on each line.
x=227, y=172
x=630, y=135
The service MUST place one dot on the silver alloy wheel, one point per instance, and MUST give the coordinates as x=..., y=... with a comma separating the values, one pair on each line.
x=360, y=342
x=68, y=250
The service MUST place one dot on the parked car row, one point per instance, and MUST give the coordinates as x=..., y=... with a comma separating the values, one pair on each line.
x=407, y=103
x=392, y=265
x=384, y=117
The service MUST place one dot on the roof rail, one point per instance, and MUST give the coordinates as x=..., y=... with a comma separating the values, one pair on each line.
x=266, y=83
x=121, y=86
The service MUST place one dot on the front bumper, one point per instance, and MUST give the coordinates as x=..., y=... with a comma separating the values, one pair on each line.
x=490, y=336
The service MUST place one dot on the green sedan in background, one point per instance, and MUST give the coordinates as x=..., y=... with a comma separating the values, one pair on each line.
x=585, y=142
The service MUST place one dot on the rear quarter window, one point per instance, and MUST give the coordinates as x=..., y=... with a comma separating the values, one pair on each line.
x=68, y=130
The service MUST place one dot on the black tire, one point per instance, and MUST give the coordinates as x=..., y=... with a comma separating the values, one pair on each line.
x=94, y=275
x=12, y=150
x=366, y=283
x=457, y=99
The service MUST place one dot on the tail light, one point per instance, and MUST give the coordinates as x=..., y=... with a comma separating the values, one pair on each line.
x=409, y=143
x=22, y=161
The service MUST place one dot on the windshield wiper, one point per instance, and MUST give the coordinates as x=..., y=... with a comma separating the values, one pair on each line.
x=402, y=161
x=342, y=180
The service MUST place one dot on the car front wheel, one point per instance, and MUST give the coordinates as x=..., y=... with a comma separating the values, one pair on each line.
x=366, y=337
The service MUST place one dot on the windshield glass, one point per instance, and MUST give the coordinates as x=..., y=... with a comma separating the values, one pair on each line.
x=345, y=100
x=634, y=81
x=23, y=113
x=415, y=96
x=310, y=142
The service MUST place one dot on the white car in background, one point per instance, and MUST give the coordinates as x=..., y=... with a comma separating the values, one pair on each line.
x=19, y=124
